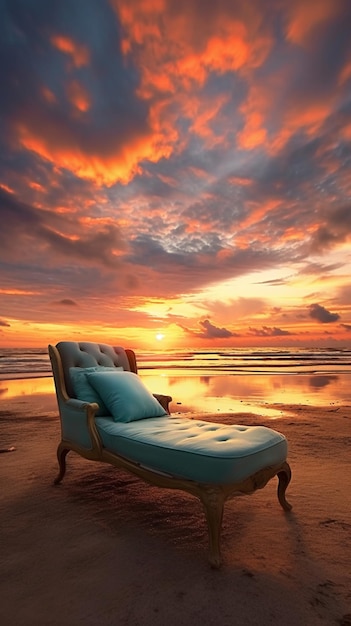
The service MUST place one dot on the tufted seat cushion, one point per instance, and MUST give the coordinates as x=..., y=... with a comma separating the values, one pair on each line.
x=194, y=449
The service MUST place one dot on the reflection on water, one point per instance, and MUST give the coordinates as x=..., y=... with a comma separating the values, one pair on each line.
x=220, y=393
x=26, y=387
x=322, y=381
x=234, y=393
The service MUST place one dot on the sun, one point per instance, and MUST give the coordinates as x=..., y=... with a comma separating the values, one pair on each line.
x=159, y=336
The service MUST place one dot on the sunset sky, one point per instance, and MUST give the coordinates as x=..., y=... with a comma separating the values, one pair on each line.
x=175, y=173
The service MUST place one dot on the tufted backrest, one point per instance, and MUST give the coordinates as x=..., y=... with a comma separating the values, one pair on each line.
x=89, y=354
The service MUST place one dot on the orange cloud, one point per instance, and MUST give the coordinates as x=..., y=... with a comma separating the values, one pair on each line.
x=258, y=213
x=78, y=53
x=304, y=115
x=347, y=132
x=36, y=186
x=240, y=181
x=18, y=292
x=305, y=15
x=59, y=146
x=299, y=111
x=48, y=95
x=176, y=52
x=254, y=111
x=187, y=44
x=6, y=188
x=345, y=73
x=78, y=96
x=253, y=133
x=203, y=112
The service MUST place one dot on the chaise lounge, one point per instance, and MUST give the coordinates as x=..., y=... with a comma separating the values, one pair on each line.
x=108, y=415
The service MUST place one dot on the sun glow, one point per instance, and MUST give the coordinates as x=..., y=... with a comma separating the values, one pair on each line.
x=159, y=336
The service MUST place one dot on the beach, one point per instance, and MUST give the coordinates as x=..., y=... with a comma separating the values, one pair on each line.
x=105, y=548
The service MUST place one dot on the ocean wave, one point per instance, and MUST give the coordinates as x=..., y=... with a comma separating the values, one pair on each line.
x=29, y=362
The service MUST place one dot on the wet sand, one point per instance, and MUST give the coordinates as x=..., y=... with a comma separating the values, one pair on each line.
x=104, y=548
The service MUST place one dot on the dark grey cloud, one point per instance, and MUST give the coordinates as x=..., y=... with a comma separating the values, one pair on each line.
x=97, y=247
x=335, y=228
x=273, y=281
x=209, y=331
x=321, y=314
x=214, y=332
x=267, y=331
x=346, y=327
x=67, y=302
x=31, y=228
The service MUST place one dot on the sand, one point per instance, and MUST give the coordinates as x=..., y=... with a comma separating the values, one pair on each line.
x=104, y=548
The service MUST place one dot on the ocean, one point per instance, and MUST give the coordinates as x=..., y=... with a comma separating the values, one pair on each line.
x=29, y=363
x=214, y=379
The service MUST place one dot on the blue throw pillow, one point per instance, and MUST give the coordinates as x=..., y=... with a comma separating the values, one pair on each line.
x=84, y=391
x=125, y=395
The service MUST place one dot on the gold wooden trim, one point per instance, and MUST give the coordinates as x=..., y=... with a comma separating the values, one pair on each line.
x=59, y=378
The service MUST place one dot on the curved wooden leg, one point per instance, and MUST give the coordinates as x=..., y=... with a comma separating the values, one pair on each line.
x=61, y=457
x=284, y=477
x=213, y=502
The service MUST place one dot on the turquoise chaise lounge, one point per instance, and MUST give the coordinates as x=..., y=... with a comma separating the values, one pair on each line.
x=108, y=415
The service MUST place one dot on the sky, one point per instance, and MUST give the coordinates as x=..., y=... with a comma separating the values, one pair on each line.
x=175, y=173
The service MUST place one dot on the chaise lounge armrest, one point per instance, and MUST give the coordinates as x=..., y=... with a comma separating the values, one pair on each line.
x=80, y=405
x=78, y=424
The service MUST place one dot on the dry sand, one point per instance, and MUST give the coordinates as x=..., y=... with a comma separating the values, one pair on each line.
x=104, y=548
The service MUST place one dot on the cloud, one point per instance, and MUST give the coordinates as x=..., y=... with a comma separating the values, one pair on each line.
x=79, y=53
x=213, y=332
x=346, y=327
x=267, y=331
x=334, y=229
x=4, y=323
x=210, y=331
x=319, y=313
x=36, y=229
x=67, y=302
x=305, y=17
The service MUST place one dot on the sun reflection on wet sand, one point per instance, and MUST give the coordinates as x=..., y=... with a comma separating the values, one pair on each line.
x=26, y=387
x=219, y=393
x=252, y=393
